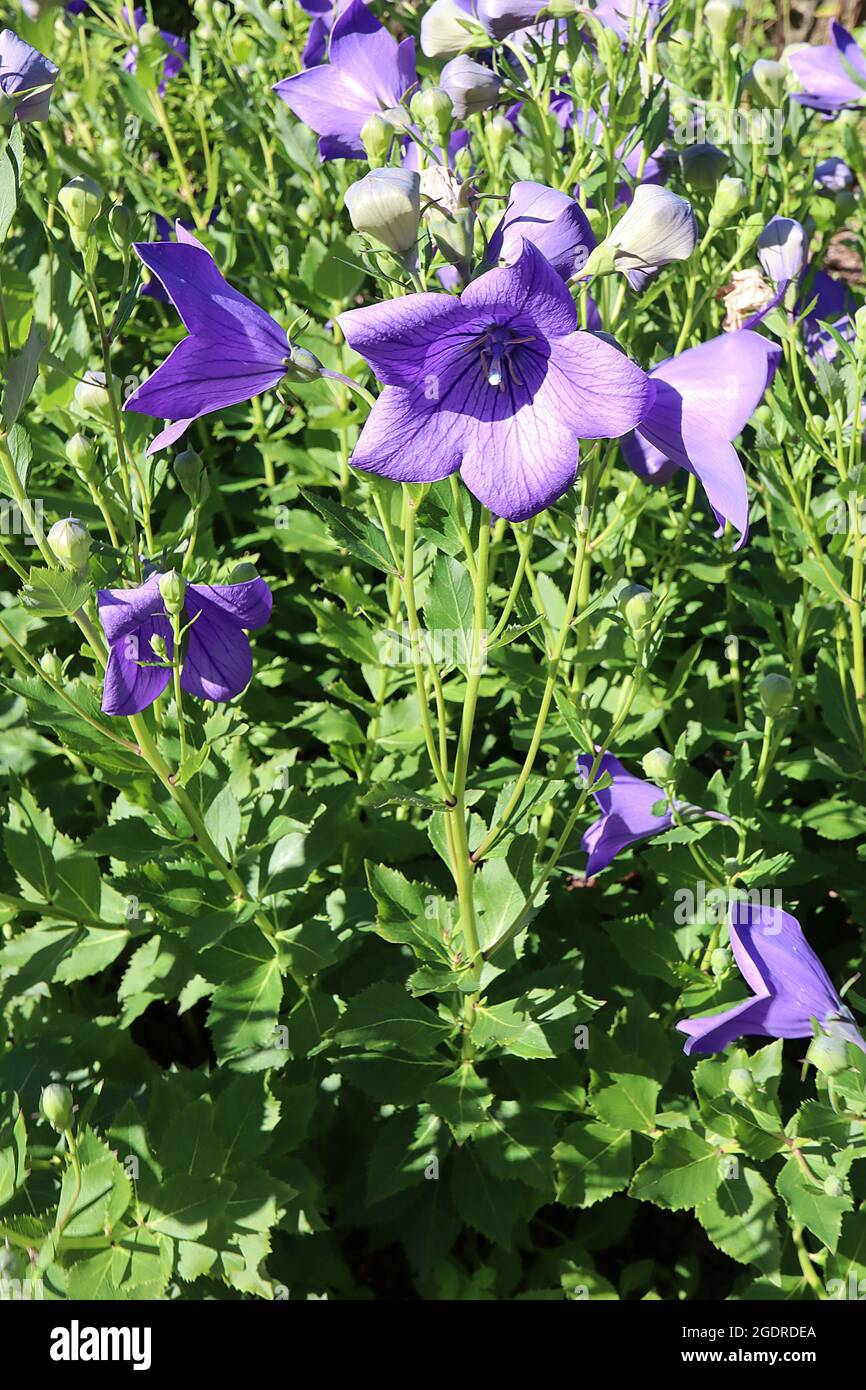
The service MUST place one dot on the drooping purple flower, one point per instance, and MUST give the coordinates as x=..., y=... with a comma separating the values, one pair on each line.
x=234, y=351
x=703, y=399
x=175, y=60
x=790, y=986
x=833, y=75
x=217, y=662
x=497, y=382
x=22, y=69
x=834, y=175
x=367, y=72
x=552, y=221
x=626, y=807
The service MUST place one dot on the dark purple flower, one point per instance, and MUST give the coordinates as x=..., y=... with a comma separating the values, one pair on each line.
x=234, y=351
x=790, y=986
x=323, y=15
x=497, y=382
x=217, y=663
x=21, y=69
x=367, y=72
x=703, y=399
x=833, y=304
x=627, y=817
x=552, y=221
x=175, y=60
x=832, y=75
x=834, y=175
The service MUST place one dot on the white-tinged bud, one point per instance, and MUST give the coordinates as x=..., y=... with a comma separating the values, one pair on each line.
x=471, y=86
x=91, y=396
x=775, y=692
x=172, y=586
x=636, y=604
x=70, y=541
x=658, y=764
x=81, y=453
x=782, y=249
x=446, y=30
x=828, y=1055
x=303, y=365
x=765, y=83
x=57, y=1106
x=721, y=17
x=657, y=228
x=386, y=204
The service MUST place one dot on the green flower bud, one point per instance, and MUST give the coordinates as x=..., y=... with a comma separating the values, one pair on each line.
x=581, y=70
x=732, y=195
x=70, y=541
x=172, y=586
x=500, y=133
x=636, y=603
x=243, y=573
x=303, y=365
x=720, y=17
x=731, y=866
x=775, y=693
x=188, y=469
x=833, y=1186
x=149, y=37
x=7, y=111
x=91, y=396
x=386, y=204
x=703, y=165
x=81, y=453
x=433, y=109
x=741, y=1082
x=720, y=962
x=307, y=214
x=376, y=137
x=81, y=201
x=120, y=225
x=765, y=83
x=158, y=647
x=860, y=325
x=658, y=765
x=57, y=1107
x=51, y=665
x=828, y=1055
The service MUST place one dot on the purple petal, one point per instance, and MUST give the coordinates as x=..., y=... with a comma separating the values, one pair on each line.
x=529, y=291
x=203, y=298
x=169, y=435
x=249, y=604
x=218, y=663
x=122, y=610
x=627, y=816
x=23, y=67
x=129, y=685
x=203, y=374
x=395, y=336
x=552, y=221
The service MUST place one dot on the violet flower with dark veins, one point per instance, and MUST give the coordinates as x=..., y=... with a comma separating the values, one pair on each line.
x=790, y=987
x=703, y=399
x=217, y=661
x=627, y=814
x=24, y=69
x=367, y=72
x=497, y=382
x=833, y=75
x=234, y=351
